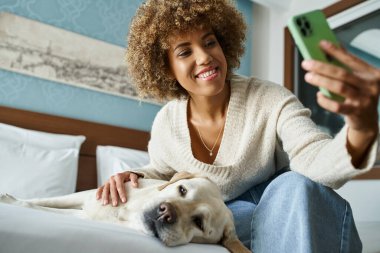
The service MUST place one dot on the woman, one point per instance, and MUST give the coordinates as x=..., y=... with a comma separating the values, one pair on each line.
x=244, y=133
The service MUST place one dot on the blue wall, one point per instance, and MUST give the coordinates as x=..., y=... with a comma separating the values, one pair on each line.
x=245, y=6
x=104, y=20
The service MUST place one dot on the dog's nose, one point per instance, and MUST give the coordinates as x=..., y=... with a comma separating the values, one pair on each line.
x=167, y=213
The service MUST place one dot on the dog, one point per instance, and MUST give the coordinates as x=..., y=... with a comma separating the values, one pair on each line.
x=188, y=208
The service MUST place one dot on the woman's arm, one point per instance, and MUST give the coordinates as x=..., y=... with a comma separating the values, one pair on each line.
x=360, y=87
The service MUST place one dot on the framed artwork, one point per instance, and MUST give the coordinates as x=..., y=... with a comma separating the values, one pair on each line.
x=33, y=48
x=356, y=23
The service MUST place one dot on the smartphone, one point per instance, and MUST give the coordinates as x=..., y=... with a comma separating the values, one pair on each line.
x=307, y=30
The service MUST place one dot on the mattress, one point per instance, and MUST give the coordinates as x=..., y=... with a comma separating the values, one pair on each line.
x=35, y=231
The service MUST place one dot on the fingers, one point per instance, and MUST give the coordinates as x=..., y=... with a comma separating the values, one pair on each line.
x=361, y=69
x=357, y=118
x=99, y=192
x=113, y=191
x=134, y=177
x=334, y=85
x=363, y=82
x=331, y=71
x=112, y=188
x=120, y=186
x=105, y=193
x=333, y=106
x=341, y=55
x=360, y=85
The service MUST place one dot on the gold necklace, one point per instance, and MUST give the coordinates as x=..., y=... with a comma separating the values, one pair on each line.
x=216, y=141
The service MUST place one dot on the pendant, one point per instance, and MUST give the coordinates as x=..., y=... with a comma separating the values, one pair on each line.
x=210, y=153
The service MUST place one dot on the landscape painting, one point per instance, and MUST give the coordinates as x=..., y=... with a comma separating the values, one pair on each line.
x=44, y=51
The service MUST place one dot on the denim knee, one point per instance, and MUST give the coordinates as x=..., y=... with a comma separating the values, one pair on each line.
x=298, y=185
x=291, y=178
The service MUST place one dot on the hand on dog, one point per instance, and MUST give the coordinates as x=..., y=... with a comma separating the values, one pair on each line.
x=115, y=188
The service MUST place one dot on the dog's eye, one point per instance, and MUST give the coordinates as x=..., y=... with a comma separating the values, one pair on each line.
x=198, y=221
x=182, y=190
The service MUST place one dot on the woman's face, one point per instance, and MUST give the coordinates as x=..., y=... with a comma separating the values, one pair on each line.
x=197, y=62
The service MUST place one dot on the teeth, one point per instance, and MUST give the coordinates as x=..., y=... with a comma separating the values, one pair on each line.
x=207, y=74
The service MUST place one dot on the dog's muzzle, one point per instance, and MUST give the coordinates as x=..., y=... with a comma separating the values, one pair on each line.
x=160, y=217
x=167, y=213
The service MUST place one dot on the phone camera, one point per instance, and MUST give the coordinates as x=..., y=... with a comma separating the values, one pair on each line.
x=304, y=26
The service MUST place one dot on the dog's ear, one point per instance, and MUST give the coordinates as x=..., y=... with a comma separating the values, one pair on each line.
x=231, y=241
x=177, y=176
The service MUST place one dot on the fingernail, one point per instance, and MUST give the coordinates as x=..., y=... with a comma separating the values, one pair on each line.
x=307, y=63
x=114, y=203
x=326, y=43
x=308, y=76
x=105, y=202
x=123, y=199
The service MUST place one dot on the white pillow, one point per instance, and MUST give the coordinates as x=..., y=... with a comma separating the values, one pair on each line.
x=33, y=172
x=111, y=160
x=39, y=139
x=30, y=159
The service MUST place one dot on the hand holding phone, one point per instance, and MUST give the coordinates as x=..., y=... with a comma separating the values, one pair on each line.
x=308, y=30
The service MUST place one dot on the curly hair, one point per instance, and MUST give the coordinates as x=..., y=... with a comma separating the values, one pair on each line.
x=156, y=20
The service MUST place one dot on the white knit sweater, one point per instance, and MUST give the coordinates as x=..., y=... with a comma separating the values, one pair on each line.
x=266, y=127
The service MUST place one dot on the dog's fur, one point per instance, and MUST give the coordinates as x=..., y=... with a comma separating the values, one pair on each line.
x=185, y=209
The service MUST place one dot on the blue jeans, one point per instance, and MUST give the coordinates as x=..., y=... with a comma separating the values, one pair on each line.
x=292, y=214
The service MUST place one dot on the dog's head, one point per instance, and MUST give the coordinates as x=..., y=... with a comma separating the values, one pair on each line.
x=191, y=209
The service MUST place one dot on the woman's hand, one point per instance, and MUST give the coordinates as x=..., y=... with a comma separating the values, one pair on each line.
x=115, y=188
x=360, y=87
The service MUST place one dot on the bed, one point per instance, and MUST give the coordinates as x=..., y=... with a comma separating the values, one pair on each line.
x=28, y=230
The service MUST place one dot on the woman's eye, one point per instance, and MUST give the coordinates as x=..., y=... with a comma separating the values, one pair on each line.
x=182, y=190
x=184, y=53
x=210, y=43
x=198, y=221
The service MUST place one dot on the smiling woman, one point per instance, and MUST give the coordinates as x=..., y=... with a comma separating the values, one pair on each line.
x=197, y=62
x=151, y=31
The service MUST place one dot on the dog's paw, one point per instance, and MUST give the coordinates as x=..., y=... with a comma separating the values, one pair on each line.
x=7, y=198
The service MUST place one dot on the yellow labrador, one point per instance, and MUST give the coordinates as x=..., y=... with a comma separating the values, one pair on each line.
x=185, y=209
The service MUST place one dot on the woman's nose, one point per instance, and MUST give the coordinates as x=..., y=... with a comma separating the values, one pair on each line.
x=203, y=57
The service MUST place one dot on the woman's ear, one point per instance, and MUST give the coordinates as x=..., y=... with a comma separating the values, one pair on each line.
x=170, y=75
x=173, y=81
x=168, y=68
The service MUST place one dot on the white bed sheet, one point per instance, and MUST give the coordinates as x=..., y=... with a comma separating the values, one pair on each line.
x=34, y=231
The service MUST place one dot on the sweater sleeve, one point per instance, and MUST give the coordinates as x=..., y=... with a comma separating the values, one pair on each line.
x=157, y=168
x=312, y=152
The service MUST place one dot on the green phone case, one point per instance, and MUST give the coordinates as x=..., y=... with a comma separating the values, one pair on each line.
x=307, y=30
